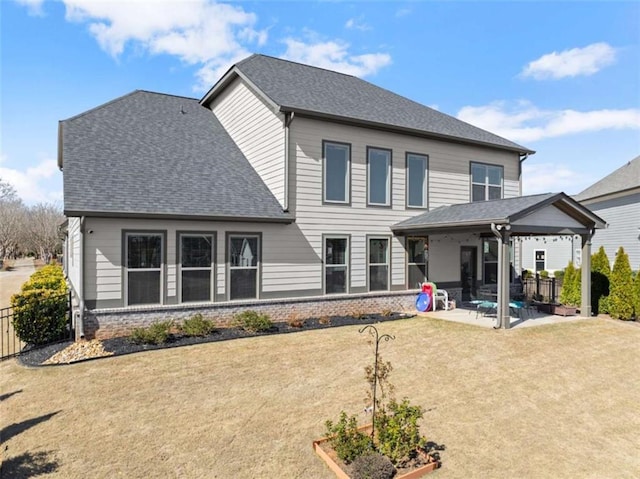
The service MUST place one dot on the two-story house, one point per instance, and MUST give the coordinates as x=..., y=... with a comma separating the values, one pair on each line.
x=290, y=189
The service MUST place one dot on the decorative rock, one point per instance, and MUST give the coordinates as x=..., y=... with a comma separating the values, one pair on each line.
x=79, y=351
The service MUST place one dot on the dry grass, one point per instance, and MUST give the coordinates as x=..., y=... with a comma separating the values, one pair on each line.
x=553, y=401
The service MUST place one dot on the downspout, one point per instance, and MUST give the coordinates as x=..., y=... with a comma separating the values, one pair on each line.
x=80, y=291
x=288, y=118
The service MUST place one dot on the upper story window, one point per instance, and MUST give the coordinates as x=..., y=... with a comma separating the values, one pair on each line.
x=379, y=177
x=417, y=180
x=336, y=172
x=486, y=182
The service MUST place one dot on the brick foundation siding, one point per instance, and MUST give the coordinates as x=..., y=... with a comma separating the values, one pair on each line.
x=110, y=323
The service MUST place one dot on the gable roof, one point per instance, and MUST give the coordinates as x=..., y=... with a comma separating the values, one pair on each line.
x=160, y=155
x=624, y=178
x=303, y=89
x=481, y=214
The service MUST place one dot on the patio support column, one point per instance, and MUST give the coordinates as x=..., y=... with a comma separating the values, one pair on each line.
x=585, y=307
x=503, y=298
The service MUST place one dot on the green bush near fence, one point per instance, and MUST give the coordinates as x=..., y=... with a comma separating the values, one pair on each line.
x=40, y=309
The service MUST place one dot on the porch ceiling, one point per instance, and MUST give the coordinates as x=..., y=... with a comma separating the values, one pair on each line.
x=545, y=214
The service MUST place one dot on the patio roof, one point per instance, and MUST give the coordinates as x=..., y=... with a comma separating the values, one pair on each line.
x=543, y=214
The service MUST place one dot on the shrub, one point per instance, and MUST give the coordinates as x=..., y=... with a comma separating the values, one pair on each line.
x=294, y=320
x=543, y=274
x=398, y=433
x=559, y=275
x=603, y=305
x=48, y=277
x=570, y=293
x=39, y=315
x=253, y=322
x=40, y=309
x=621, y=297
x=346, y=440
x=157, y=333
x=636, y=293
x=372, y=466
x=197, y=325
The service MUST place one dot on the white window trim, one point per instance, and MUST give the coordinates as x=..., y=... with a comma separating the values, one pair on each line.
x=212, y=267
x=486, y=183
x=387, y=264
x=257, y=267
x=347, y=181
x=141, y=270
x=425, y=185
x=535, y=261
x=347, y=262
x=426, y=259
x=388, y=179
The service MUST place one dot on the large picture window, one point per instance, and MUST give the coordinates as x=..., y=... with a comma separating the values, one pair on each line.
x=336, y=174
x=244, y=258
x=417, y=259
x=196, y=267
x=144, y=265
x=336, y=264
x=417, y=180
x=379, y=176
x=486, y=182
x=378, y=264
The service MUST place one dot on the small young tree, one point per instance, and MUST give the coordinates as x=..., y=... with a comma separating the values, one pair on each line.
x=636, y=292
x=621, y=297
x=600, y=272
x=570, y=293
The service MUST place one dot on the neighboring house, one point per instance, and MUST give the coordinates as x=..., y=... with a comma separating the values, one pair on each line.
x=616, y=199
x=289, y=189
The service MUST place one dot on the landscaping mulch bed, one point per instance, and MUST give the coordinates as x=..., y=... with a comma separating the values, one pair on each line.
x=123, y=345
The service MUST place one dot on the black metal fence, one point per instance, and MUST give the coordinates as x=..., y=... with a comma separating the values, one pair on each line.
x=542, y=289
x=10, y=343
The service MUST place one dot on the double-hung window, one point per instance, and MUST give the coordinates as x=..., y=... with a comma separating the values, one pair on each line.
x=244, y=260
x=336, y=264
x=379, y=262
x=379, y=177
x=336, y=172
x=417, y=180
x=144, y=265
x=196, y=267
x=540, y=257
x=486, y=182
x=417, y=259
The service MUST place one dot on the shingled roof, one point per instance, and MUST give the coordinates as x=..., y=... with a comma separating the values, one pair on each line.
x=625, y=178
x=481, y=214
x=294, y=87
x=159, y=155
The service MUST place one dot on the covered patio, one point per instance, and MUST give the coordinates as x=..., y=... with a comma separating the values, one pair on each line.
x=544, y=215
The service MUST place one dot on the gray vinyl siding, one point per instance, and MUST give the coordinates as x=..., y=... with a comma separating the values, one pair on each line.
x=623, y=218
x=449, y=182
x=73, y=251
x=257, y=130
x=288, y=262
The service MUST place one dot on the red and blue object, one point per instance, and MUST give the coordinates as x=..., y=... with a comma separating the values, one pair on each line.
x=424, y=299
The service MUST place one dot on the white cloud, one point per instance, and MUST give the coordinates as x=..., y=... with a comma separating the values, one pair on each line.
x=403, y=12
x=357, y=24
x=33, y=6
x=524, y=122
x=39, y=183
x=334, y=55
x=552, y=177
x=196, y=31
x=570, y=63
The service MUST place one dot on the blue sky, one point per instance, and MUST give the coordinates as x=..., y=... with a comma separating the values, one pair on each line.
x=562, y=78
